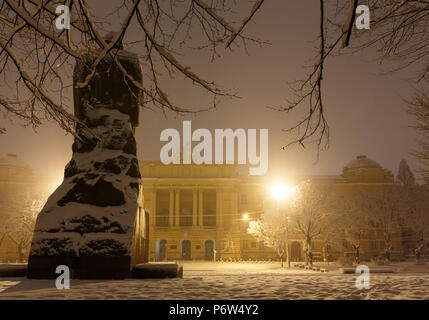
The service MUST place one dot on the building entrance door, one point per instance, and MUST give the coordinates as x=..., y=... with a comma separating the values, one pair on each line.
x=209, y=246
x=295, y=251
x=161, y=250
x=185, y=250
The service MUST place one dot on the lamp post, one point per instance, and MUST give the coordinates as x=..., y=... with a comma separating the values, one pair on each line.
x=287, y=242
x=280, y=191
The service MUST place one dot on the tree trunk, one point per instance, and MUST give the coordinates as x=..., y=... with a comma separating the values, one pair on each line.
x=21, y=254
x=308, y=252
x=357, y=255
x=388, y=248
x=418, y=250
x=2, y=238
x=281, y=259
x=417, y=253
x=387, y=253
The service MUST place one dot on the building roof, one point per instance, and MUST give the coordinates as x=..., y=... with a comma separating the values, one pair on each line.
x=362, y=161
x=363, y=169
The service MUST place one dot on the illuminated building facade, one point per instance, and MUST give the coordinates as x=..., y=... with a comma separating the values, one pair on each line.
x=196, y=211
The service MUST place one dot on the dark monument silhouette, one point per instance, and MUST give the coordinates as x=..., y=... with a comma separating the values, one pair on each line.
x=94, y=222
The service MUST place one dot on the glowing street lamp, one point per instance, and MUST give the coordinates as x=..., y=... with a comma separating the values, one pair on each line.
x=281, y=191
x=245, y=216
x=287, y=243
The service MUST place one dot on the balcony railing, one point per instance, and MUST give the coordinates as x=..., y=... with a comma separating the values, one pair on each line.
x=186, y=221
x=162, y=221
x=209, y=220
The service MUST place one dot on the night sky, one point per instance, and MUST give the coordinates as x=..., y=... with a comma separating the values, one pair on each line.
x=364, y=108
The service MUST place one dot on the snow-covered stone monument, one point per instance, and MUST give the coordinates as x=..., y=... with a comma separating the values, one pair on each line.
x=94, y=222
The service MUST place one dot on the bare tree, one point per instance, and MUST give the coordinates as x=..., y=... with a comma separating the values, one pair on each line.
x=272, y=229
x=310, y=212
x=405, y=176
x=419, y=109
x=416, y=216
x=40, y=57
x=19, y=222
x=384, y=205
x=398, y=31
x=350, y=222
x=36, y=59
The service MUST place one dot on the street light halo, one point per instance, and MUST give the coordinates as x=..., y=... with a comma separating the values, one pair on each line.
x=281, y=190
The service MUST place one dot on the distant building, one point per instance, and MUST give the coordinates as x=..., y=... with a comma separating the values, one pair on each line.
x=18, y=185
x=197, y=209
x=16, y=180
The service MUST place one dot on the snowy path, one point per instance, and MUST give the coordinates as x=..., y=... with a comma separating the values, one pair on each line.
x=233, y=282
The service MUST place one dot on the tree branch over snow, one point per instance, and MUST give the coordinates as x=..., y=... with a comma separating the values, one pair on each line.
x=36, y=59
x=399, y=32
x=348, y=26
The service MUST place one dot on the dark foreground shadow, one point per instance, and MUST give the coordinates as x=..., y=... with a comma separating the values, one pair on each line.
x=26, y=284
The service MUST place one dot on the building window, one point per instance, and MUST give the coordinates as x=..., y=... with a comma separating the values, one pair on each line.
x=186, y=204
x=261, y=245
x=209, y=218
x=209, y=210
x=373, y=244
x=253, y=244
x=162, y=218
x=162, y=208
x=244, y=244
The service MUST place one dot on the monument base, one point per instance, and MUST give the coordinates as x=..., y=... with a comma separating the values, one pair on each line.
x=83, y=268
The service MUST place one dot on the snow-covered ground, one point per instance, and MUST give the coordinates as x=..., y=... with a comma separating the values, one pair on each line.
x=233, y=281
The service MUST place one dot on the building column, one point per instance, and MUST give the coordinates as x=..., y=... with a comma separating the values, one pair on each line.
x=171, y=209
x=153, y=205
x=177, y=217
x=235, y=213
x=200, y=208
x=194, y=207
x=219, y=218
